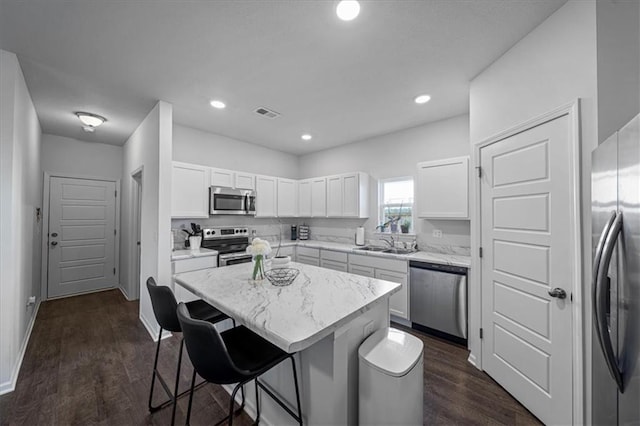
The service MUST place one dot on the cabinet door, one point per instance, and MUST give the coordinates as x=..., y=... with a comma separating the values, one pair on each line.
x=399, y=302
x=189, y=191
x=319, y=197
x=443, y=189
x=244, y=181
x=287, y=198
x=350, y=196
x=266, y=196
x=221, y=177
x=334, y=196
x=365, y=271
x=304, y=198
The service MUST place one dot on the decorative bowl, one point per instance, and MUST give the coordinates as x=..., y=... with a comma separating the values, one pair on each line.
x=282, y=276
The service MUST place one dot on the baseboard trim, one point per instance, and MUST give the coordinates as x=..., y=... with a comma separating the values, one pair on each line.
x=10, y=386
x=124, y=293
x=249, y=407
x=152, y=331
x=473, y=361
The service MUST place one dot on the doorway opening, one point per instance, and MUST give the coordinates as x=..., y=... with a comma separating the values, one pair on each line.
x=136, y=235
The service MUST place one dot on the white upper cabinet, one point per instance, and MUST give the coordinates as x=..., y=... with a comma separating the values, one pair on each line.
x=304, y=198
x=245, y=180
x=266, y=196
x=287, y=198
x=189, y=191
x=318, y=197
x=231, y=179
x=334, y=196
x=348, y=195
x=443, y=189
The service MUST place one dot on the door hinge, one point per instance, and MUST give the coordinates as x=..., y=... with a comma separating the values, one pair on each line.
x=571, y=297
x=480, y=252
x=479, y=171
x=116, y=192
x=114, y=232
x=114, y=271
x=481, y=333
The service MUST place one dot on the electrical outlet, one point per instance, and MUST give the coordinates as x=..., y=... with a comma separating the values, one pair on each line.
x=31, y=301
x=368, y=329
x=437, y=233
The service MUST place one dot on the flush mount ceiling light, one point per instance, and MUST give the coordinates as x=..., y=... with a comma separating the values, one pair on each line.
x=90, y=121
x=218, y=104
x=422, y=99
x=348, y=10
x=306, y=137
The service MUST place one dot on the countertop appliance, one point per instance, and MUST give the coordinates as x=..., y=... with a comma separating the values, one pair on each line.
x=615, y=211
x=231, y=201
x=439, y=299
x=231, y=244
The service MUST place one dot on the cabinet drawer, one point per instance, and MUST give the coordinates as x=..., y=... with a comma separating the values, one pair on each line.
x=337, y=256
x=285, y=251
x=194, y=264
x=379, y=263
x=365, y=271
x=309, y=252
x=308, y=260
x=332, y=264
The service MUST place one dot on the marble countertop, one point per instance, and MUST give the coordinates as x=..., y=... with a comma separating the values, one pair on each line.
x=424, y=256
x=294, y=317
x=189, y=254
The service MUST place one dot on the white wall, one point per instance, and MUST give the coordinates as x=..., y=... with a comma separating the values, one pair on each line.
x=149, y=149
x=618, y=64
x=394, y=155
x=20, y=231
x=552, y=66
x=70, y=156
x=208, y=149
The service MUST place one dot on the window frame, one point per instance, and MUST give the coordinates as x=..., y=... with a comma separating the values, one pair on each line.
x=382, y=205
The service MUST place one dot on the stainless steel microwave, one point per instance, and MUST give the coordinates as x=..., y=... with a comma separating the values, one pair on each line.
x=231, y=201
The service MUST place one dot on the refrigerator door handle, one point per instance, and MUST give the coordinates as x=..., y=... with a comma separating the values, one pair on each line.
x=600, y=299
x=598, y=253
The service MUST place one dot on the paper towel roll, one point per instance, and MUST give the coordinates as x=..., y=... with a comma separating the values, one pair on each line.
x=359, y=236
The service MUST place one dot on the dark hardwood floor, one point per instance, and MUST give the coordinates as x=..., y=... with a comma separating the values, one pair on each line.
x=89, y=361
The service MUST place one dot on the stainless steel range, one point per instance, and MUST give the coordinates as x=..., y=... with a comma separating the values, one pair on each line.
x=231, y=244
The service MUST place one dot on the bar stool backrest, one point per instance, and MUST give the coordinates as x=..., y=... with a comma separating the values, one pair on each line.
x=164, y=305
x=207, y=350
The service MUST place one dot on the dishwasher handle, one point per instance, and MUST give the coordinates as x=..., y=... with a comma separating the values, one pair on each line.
x=462, y=307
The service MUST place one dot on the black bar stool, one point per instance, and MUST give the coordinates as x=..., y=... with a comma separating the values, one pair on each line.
x=164, y=308
x=233, y=356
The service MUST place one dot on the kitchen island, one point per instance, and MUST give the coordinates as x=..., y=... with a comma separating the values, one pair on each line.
x=323, y=316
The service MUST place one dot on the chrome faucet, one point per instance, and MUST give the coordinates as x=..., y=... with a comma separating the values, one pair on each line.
x=391, y=243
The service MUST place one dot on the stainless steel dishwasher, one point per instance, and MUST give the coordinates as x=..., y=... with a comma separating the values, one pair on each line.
x=438, y=295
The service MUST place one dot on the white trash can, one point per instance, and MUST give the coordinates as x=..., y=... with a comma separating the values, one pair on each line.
x=390, y=382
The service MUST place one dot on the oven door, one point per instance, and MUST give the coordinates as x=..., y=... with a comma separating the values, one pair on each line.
x=233, y=259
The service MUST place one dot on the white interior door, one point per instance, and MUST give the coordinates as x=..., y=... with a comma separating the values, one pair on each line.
x=526, y=210
x=81, y=236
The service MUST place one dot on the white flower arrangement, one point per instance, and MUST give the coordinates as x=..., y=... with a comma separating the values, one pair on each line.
x=259, y=249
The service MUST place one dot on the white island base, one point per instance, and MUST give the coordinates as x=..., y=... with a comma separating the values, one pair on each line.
x=327, y=376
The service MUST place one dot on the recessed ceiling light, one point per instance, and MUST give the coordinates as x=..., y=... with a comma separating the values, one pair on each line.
x=348, y=10
x=306, y=137
x=218, y=104
x=422, y=99
x=90, y=121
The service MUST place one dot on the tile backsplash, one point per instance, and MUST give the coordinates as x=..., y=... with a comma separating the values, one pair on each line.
x=455, y=234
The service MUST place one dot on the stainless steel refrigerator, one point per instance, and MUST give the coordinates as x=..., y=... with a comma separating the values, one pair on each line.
x=616, y=278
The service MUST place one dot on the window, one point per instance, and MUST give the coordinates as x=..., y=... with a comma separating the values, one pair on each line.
x=396, y=205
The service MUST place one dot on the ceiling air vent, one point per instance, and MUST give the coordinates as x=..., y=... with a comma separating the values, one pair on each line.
x=268, y=113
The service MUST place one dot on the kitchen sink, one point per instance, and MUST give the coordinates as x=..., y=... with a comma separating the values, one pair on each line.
x=386, y=250
x=399, y=251
x=372, y=248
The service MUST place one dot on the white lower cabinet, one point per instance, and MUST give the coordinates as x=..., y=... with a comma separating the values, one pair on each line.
x=399, y=302
x=186, y=265
x=389, y=270
x=335, y=260
x=308, y=256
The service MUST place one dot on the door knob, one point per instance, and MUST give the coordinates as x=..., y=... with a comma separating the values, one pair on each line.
x=558, y=292
x=54, y=243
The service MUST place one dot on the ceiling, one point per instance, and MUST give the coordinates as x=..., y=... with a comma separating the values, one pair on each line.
x=339, y=81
